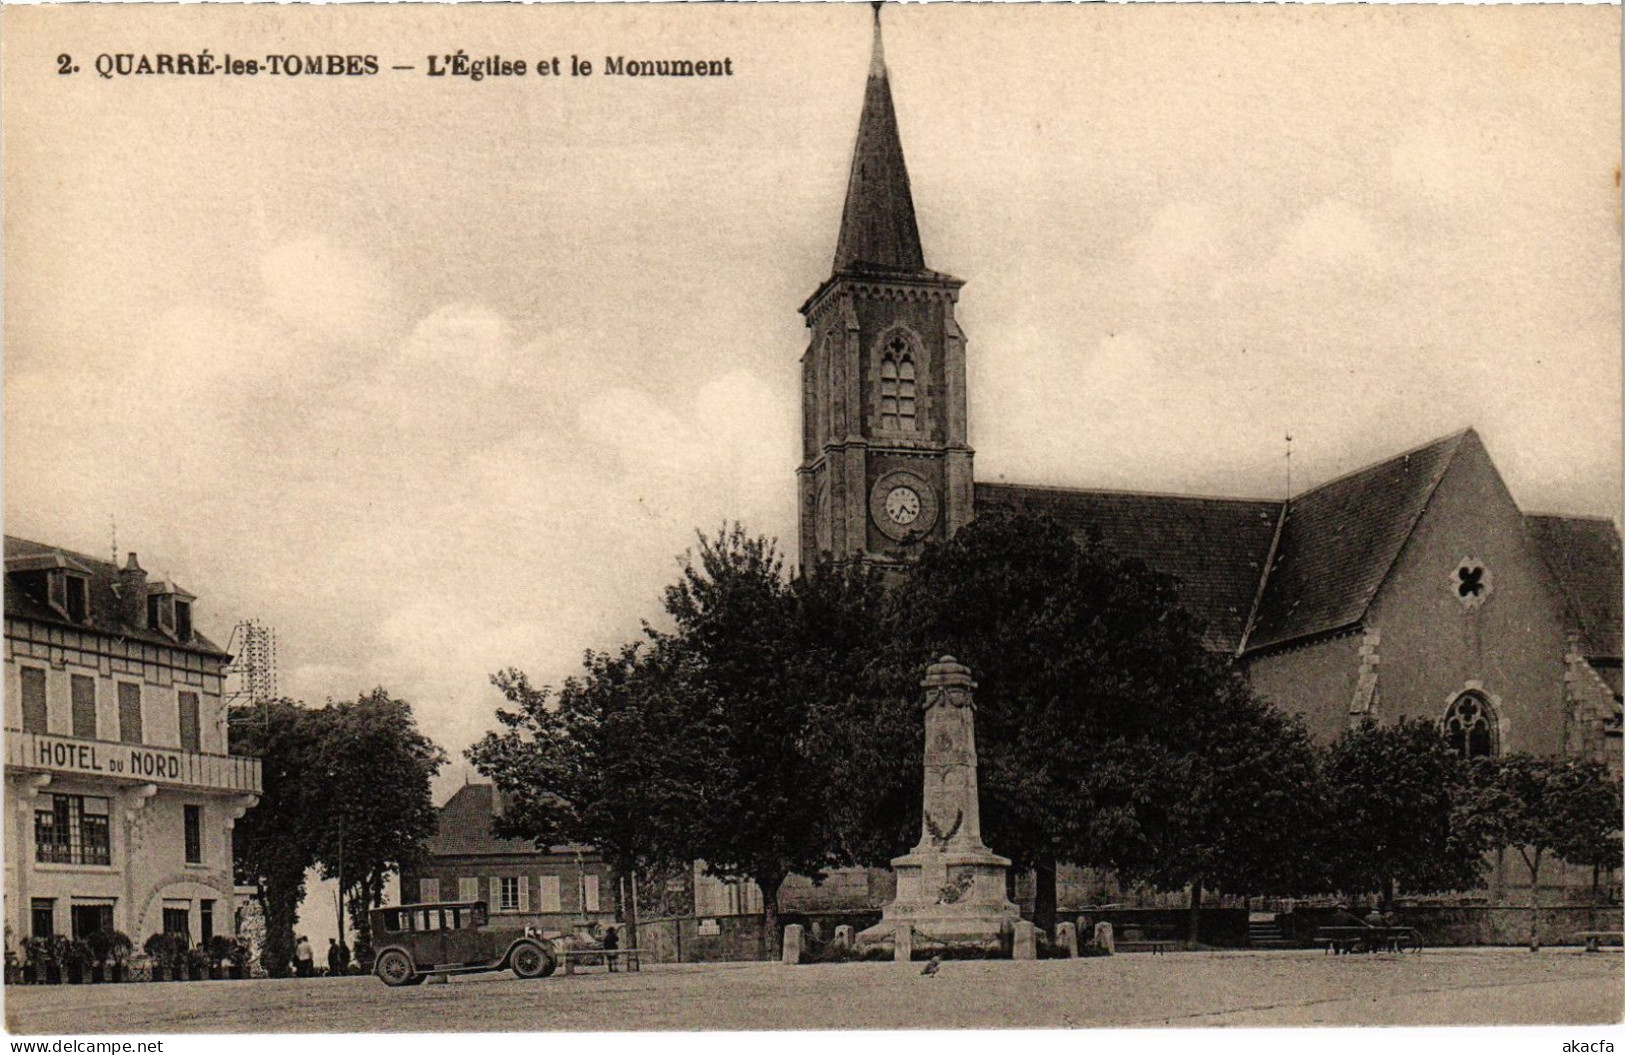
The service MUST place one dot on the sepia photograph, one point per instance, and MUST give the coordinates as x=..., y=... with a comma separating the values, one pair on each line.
x=602, y=519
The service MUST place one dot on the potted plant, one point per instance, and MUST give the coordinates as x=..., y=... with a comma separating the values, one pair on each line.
x=168, y=952
x=237, y=956
x=220, y=948
x=36, y=957
x=110, y=952
x=197, y=962
x=77, y=957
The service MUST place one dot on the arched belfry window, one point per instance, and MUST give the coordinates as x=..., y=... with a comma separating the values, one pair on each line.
x=1470, y=727
x=898, y=391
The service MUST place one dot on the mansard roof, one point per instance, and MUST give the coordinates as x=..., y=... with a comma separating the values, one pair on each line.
x=1583, y=554
x=25, y=559
x=1216, y=547
x=878, y=229
x=1339, y=540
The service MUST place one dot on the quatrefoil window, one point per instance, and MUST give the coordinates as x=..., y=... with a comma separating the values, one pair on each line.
x=1471, y=582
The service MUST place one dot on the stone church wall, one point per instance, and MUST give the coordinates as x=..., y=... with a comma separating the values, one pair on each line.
x=1317, y=681
x=1509, y=647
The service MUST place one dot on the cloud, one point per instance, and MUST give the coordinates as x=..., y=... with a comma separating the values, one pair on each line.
x=316, y=287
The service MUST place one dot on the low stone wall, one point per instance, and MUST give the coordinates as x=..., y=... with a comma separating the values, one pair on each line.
x=1223, y=927
x=1476, y=924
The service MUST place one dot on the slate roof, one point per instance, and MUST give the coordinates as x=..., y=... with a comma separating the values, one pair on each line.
x=1216, y=547
x=878, y=229
x=1339, y=541
x=1583, y=554
x=465, y=826
x=105, y=613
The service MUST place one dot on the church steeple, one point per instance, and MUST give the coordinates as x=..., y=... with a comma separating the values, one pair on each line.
x=878, y=230
x=886, y=457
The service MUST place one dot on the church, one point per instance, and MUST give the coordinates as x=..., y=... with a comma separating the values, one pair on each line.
x=1415, y=588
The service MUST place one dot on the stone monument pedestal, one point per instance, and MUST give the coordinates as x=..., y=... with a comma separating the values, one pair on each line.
x=950, y=887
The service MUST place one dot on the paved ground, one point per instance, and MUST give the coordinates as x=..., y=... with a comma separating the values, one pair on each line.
x=1478, y=986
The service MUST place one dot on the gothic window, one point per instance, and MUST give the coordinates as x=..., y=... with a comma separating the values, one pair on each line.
x=1469, y=726
x=898, y=392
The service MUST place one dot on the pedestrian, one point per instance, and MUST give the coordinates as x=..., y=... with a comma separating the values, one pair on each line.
x=335, y=965
x=304, y=958
x=612, y=941
x=344, y=958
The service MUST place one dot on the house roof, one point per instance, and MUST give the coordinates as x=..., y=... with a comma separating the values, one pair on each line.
x=1339, y=540
x=465, y=825
x=878, y=228
x=1583, y=554
x=1216, y=547
x=105, y=612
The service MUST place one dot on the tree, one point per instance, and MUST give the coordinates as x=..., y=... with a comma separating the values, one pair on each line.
x=1093, y=686
x=609, y=761
x=758, y=652
x=1253, y=804
x=1397, y=812
x=274, y=844
x=1567, y=807
x=378, y=770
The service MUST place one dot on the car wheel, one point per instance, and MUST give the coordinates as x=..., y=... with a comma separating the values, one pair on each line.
x=530, y=960
x=395, y=968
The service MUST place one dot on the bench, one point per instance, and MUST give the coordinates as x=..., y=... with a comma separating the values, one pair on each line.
x=1594, y=938
x=571, y=958
x=1140, y=938
x=1344, y=940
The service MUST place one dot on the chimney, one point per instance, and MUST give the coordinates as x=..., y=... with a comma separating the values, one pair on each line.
x=132, y=594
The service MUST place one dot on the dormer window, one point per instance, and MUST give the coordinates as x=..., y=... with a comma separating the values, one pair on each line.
x=161, y=612
x=78, y=598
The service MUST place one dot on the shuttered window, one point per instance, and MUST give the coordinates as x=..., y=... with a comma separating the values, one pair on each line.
x=428, y=890
x=129, y=712
x=547, y=894
x=468, y=889
x=191, y=726
x=34, y=710
x=590, y=893
x=84, y=706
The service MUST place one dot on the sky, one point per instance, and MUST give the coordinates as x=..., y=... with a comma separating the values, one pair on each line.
x=439, y=377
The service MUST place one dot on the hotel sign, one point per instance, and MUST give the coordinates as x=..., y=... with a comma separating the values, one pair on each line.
x=136, y=762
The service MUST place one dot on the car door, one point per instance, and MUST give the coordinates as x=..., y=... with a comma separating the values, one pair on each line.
x=465, y=940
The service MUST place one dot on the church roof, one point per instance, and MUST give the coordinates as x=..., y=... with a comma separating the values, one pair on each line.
x=1583, y=554
x=1216, y=547
x=1339, y=541
x=878, y=230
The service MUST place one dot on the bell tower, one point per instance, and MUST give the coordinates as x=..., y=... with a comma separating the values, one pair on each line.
x=886, y=459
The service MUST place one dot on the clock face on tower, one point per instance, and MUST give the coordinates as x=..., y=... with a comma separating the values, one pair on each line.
x=902, y=504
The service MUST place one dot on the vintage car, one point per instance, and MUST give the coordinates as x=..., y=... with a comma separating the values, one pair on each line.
x=416, y=941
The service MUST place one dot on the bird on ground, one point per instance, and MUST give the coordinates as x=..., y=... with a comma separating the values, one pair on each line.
x=931, y=965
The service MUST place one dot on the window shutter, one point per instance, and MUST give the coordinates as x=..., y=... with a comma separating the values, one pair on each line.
x=592, y=894
x=547, y=892
x=524, y=893
x=493, y=901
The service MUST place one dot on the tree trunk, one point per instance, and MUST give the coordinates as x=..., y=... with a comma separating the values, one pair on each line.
x=280, y=905
x=1388, y=893
x=1534, y=896
x=1193, y=924
x=1044, y=896
x=629, y=906
x=771, y=939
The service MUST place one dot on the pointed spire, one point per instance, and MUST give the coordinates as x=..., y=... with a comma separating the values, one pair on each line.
x=877, y=226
